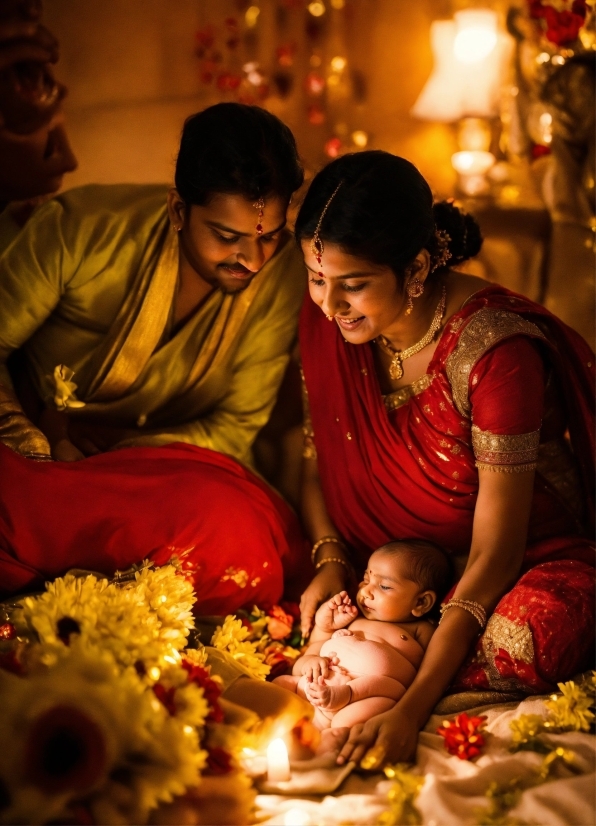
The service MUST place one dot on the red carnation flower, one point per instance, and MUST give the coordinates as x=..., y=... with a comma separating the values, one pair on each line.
x=212, y=691
x=462, y=737
x=219, y=761
x=165, y=697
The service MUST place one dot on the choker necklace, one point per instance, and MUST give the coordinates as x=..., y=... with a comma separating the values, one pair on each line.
x=396, y=369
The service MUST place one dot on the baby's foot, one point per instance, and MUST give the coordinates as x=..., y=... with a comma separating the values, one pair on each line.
x=336, y=613
x=327, y=697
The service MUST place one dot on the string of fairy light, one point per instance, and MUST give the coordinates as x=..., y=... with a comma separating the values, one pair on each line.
x=231, y=60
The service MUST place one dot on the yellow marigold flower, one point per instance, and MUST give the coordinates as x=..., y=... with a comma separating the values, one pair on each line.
x=232, y=638
x=525, y=729
x=229, y=634
x=571, y=709
x=196, y=656
x=158, y=607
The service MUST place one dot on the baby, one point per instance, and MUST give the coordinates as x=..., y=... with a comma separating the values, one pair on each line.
x=360, y=663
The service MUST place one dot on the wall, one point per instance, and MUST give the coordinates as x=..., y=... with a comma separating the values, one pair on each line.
x=133, y=78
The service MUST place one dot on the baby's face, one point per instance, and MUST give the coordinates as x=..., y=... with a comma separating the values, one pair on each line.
x=386, y=594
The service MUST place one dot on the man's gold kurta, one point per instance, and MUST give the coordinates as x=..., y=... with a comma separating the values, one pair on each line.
x=88, y=286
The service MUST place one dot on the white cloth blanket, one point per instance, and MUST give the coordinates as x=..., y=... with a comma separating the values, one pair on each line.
x=454, y=790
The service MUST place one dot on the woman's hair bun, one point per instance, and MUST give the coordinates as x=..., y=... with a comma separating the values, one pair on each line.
x=462, y=228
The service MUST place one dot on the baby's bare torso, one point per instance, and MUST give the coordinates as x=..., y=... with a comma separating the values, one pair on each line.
x=376, y=648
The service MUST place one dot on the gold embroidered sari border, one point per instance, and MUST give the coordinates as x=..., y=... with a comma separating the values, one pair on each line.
x=484, y=329
x=402, y=396
x=505, y=449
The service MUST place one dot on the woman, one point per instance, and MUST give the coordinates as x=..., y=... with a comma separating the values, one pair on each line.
x=439, y=407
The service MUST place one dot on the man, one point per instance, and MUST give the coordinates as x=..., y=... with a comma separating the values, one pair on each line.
x=149, y=317
x=34, y=149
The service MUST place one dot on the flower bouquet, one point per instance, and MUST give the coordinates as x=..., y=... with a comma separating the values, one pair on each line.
x=107, y=716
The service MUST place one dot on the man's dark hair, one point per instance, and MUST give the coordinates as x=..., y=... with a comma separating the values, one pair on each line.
x=238, y=150
x=426, y=564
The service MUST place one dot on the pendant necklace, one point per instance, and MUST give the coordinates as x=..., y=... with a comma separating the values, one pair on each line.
x=396, y=369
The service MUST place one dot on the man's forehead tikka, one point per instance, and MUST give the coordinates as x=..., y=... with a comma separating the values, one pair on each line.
x=260, y=205
x=316, y=245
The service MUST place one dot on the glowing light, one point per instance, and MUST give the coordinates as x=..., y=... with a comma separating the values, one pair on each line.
x=543, y=57
x=188, y=729
x=360, y=138
x=154, y=673
x=251, y=15
x=296, y=817
x=338, y=63
x=472, y=163
x=476, y=35
x=474, y=44
x=317, y=9
x=338, y=4
x=278, y=763
x=558, y=60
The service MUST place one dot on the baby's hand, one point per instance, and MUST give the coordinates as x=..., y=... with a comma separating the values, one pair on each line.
x=336, y=613
x=328, y=697
x=313, y=667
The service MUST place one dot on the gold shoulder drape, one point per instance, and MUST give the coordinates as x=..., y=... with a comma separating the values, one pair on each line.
x=89, y=284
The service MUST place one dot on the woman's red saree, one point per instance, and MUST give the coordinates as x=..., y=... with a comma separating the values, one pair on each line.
x=232, y=534
x=410, y=471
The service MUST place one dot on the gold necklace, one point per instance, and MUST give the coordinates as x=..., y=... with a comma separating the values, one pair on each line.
x=396, y=369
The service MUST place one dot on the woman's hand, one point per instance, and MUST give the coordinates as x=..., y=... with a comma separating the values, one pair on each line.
x=393, y=736
x=330, y=580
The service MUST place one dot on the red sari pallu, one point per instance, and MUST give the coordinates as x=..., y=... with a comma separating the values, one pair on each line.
x=234, y=536
x=506, y=383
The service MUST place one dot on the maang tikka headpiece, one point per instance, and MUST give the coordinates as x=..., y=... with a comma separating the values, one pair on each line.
x=316, y=245
x=260, y=205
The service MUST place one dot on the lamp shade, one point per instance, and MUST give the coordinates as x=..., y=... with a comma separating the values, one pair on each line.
x=470, y=59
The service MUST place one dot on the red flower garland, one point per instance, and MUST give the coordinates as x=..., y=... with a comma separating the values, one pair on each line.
x=200, y=676
x=462, y=737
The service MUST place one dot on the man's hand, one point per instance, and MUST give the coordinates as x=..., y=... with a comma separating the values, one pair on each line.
x=336, y=613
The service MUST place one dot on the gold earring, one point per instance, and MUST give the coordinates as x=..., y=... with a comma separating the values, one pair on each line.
x=329, y=317
x=414, y=290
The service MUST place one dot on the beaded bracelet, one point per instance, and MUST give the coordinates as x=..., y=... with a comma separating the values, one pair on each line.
x=334, y=559
x=473, y=608
x=323, y=541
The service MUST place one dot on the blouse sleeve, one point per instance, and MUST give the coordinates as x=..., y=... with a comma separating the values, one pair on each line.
x=507, y=401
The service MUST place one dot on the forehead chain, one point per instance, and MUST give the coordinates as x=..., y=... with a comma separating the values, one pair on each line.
x=316, y=245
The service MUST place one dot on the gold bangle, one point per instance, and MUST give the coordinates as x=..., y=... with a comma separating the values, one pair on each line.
x=343, y=562
x=473, y=608
x=323, y=541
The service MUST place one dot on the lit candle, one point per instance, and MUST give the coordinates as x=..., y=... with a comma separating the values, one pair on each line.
x=278, y=763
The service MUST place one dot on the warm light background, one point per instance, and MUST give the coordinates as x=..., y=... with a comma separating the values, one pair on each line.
x=133, y=78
